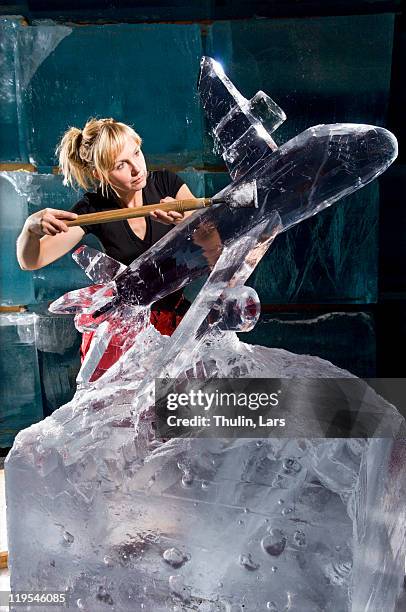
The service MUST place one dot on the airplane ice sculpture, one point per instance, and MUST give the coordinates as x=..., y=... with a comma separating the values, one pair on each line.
x=284, y=186
x=101, y=508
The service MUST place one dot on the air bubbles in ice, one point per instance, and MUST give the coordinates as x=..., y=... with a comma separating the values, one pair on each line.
x=274, y=543
x=104, y=596
x=291, y=466
x=187, y=479
x=174, y=557
x=246, y=561
x=338, y=573
x=299, y=538
x=178, y=588
x=108, y=561
x=68, y=538
x=286, y=511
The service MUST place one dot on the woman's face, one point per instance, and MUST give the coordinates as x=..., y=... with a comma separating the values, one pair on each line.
x=129, y=173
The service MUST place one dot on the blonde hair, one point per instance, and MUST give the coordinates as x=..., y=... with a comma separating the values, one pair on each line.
x=95, y=148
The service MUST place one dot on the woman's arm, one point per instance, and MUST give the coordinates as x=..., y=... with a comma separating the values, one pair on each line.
x=45, y=237
x=206, y=235
x=173, y=216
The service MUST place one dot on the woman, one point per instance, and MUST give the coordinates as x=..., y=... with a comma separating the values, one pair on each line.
x=106, y=156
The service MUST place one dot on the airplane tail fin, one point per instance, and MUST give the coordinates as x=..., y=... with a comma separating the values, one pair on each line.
x=241, y=128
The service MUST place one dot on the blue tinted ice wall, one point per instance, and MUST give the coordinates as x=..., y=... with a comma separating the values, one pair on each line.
x=321, y=69
x=144, y=75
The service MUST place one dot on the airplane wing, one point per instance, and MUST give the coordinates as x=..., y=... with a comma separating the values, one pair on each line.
x=241, y=128
x=98, y=266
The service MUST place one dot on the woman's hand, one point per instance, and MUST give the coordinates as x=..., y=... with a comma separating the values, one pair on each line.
x=207, y=237
x=49, y=222
x=168, y=217
x=45, y=237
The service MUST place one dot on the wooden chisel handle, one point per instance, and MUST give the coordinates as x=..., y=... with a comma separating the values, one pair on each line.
x=139, y=211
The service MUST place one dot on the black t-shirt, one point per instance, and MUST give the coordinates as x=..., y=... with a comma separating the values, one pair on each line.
x=117, y=237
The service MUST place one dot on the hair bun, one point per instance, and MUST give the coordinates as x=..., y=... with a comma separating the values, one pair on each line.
x=85, y=150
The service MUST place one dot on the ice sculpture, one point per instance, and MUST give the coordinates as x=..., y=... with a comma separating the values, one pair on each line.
x=103, y=509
